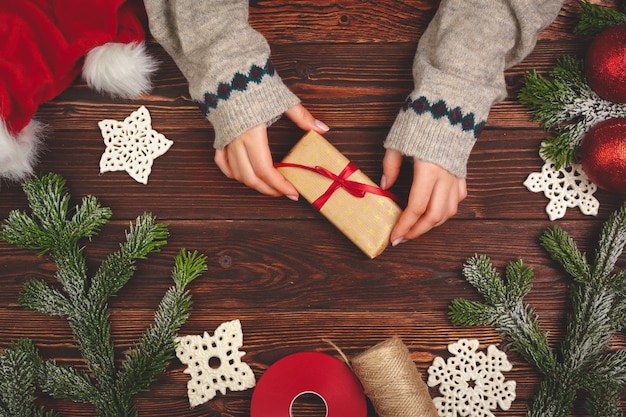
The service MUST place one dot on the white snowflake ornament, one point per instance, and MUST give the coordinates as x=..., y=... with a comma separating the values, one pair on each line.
x=471, y=382
x=565, y=188
x=214, y=363
x=132, y=145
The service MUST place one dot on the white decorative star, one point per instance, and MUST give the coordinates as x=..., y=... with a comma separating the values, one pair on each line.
x=214, y=363
x=132, y=145
x=567, y=187
x=471, y=382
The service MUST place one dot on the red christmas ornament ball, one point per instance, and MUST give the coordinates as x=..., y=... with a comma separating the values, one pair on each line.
x=605, y=64
x=603, y=154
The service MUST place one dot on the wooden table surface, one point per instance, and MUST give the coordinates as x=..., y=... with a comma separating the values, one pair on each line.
x=278, y=266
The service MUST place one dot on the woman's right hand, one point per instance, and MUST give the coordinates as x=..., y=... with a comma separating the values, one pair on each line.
x=248, y=159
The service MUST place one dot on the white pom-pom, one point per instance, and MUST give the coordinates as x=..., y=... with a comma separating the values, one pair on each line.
x=18, y=153
x=122, y=70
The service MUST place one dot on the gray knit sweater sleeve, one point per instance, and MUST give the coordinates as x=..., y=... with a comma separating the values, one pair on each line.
x=226, y=62
x=458, y=75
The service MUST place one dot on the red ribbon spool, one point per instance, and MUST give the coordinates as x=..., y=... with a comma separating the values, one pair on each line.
x=304, y=373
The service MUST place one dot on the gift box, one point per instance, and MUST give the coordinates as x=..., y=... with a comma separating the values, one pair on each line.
x=360, y=209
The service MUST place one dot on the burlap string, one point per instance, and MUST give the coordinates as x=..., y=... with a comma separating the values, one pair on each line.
x=392, y=382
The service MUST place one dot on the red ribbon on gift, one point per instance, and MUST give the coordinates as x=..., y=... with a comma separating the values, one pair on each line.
x=357, y=189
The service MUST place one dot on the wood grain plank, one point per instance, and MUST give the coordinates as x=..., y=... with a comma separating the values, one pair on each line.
x=260, y=265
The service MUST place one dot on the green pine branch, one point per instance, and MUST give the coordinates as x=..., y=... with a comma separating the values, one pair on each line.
x=565, y=105
x=594, y=19
x=19, y=369
x=607, y=380
x=157, y=345
x=145, y=237
x=66, y=383
x=504, y=308
x=38, y=296
x=55, y=229
x=610, y=244
x=563, y=249
x=583, y=361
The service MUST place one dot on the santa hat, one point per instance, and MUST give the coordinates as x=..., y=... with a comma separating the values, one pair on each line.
x=45, y=45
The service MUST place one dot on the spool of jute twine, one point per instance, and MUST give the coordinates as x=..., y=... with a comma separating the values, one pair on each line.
x=392, y=382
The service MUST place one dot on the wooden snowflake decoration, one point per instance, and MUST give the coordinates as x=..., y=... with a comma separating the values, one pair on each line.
x=471, y=382
x=565, y=187
x=132, y=145
x=214, y=363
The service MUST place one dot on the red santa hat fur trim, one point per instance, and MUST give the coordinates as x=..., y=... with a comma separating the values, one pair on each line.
x=119, y=69
x=44, y=45
x=18, y=153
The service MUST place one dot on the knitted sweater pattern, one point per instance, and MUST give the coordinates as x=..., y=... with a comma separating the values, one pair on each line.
x=239, y=82
x=458, y=74
x=440, y=109
x=458, y=70
x=225, y=61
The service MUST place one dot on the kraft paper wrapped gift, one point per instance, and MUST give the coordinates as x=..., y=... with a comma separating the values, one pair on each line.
x=351, y=201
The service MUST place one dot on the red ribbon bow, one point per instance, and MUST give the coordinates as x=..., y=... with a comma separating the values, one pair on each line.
x=357, y=189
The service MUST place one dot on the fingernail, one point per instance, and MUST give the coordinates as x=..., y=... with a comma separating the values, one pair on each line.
x=383, y=182
x=321, y=125
x=292, y=197
x=398, y=241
